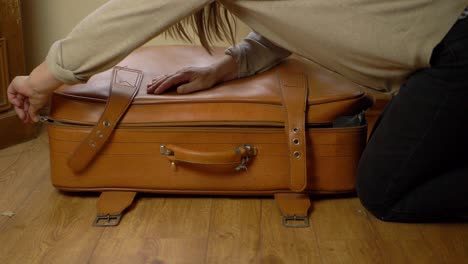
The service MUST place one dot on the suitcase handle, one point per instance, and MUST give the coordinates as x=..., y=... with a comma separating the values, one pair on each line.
x=240, y=156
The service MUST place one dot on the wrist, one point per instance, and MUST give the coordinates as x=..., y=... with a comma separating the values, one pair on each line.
x=225, y=69
x=42, y=81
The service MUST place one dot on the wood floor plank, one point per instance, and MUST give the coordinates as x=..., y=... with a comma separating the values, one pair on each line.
x=350, y=251
x=48, y=226
x=149, y=250
x=21, y=173
x=344, y=218
x=344, y=233
x=159, y=216
x=234, y=230
x=407, y=251
x=176, y=229
x=9, y=155
x=395, y=231
x=180, y=217
x=403, y=243
x=51, y=228
x=285, y=245
x=448, y=241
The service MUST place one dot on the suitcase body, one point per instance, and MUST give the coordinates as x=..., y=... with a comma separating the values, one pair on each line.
x=229, y=140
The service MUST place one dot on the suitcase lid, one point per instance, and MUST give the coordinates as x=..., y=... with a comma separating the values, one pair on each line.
x=250, y=101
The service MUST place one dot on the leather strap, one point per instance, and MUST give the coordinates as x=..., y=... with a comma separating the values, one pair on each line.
x=294, y=95
x=110, y=207
x=123, y=89
x=294, y=207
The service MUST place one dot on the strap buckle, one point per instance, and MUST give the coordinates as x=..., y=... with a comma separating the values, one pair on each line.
x=107, y=220
x=296, y=221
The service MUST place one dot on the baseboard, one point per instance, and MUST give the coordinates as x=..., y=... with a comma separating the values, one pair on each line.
x=14, y=131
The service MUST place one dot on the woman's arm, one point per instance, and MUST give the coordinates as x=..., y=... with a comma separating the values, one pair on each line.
x=252, y=55
x=111, y=32
x=256, y=54
x=96, y=44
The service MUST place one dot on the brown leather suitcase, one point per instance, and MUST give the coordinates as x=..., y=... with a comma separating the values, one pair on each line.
x=292, y=131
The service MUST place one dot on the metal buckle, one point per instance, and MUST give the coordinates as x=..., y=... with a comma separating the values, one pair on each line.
x=107, y=220
x=251, y=151
x=296, y=221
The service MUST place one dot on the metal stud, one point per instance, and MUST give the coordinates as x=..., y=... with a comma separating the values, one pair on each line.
x=295, y=130
x=297, y=154
x=100, y=134
x=296, y=141
x=106, y=123
x=92, y=144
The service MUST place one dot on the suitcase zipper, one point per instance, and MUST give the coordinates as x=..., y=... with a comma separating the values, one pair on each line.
x=47, y=119
x=342, y=122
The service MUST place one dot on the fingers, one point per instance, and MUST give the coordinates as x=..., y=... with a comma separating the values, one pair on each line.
x=33, y=113
x=18, y=97
x=155, y=84
x=157, y=79
x=163, y=84
x=26, y=107
x=188, y=80
x=20, y=112
x=174, y=80
x=24, y=114
x=13, y=95
x=36, y=103
x=190, y=87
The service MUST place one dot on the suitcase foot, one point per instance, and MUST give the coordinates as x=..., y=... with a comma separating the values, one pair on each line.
x=295, y=209
x=110, y=206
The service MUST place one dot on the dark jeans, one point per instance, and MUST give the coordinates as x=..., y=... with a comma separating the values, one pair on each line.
x=415, y=167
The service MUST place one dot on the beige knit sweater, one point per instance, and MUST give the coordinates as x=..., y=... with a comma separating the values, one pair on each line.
x=374, y=43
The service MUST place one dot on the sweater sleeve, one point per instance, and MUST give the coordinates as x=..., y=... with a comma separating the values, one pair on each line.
x=256, y=54
x=111, y=32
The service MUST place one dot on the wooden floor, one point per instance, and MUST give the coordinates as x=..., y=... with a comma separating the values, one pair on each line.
x=38, y=224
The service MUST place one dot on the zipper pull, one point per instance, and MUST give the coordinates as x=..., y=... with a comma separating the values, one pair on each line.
x=44, y=119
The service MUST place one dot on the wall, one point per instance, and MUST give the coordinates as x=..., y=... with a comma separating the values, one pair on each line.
x=45, y=21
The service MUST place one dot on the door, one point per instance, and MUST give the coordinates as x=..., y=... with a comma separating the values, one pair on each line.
x=12, y=130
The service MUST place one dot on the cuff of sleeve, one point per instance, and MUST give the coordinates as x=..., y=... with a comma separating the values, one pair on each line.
x=237, y=54
x=54, y=63
x=256, y=54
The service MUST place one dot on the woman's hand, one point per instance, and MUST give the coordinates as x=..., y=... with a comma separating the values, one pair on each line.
x=187, y=80
x=26, y=100
x=194, y=79
x=29, y=94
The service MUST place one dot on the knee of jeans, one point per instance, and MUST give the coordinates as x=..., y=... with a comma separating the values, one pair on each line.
x=370, y=190
x=372, y=197
x=383, y=213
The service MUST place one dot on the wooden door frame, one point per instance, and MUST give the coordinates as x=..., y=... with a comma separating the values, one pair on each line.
x=4, y=76
x=12, y=129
